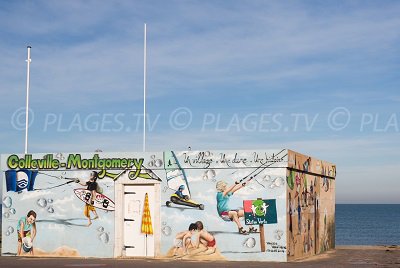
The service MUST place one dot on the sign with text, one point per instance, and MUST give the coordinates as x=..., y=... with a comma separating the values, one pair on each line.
x=261, y=211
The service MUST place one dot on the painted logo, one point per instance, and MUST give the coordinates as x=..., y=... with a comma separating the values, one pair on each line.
x=260, y=211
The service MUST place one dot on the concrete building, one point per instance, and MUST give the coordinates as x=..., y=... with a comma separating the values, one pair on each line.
x=262, y=205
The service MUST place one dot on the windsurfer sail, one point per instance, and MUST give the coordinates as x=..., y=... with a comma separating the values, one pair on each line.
x=176, y=176
x=177, y=181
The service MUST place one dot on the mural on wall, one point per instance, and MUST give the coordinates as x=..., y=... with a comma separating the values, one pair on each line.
x=177, y=181
x=231, y=205
x=205, y=196
x=62, y=205
x=310, y=206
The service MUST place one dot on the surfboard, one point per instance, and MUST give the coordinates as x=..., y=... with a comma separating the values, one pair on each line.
x=99, y=201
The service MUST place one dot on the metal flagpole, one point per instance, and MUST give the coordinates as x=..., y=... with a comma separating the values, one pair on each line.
x=27, y=100
x=144, y=91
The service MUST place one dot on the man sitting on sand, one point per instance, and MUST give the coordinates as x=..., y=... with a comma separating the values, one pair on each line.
x=183, y=240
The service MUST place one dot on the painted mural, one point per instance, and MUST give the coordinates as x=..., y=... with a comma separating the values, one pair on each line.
x=62, y=205
x=205, y=216
x=310, y=206
x=273, y=205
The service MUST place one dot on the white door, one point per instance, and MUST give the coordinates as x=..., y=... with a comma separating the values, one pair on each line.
x=135, y=242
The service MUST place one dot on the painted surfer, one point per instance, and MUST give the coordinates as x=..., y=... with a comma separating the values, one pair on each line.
x=223, y=195
x=26, y=230
x=92, y=187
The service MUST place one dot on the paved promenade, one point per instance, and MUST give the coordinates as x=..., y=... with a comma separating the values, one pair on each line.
x=351, y=256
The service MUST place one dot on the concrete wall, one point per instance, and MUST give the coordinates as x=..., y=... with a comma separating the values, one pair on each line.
x=264, y=177
x=310, y=206
x=62, y=226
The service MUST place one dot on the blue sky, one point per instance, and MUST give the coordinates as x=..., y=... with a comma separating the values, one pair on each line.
x=252, y=74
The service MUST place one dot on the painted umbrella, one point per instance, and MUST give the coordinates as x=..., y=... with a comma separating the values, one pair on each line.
x=146, y=219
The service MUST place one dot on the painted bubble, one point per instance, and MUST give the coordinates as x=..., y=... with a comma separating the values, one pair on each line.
x=165, y=189
x=50, y=209
x=278, y=182
x=263, y=179
x=7, y=202
x=266, y=178
x=158, y=163
x=164, y=223
x=41, y=202
x=207, y=153
x=7, y=233
x=166, y=230
x=278, y=234
x=50, y=200
x=10, y=229
x=151, y=162
x=209, y=174
x=100, y=229
x=104, y=237
x=12, y=211
x=250, y=242
x=60, y=156
x=6, y=215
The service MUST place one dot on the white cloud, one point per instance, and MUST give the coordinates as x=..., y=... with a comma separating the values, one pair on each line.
x=34, y=195
x=175, y=216
x=90, y=59
x=63, y=201
x=204, y=197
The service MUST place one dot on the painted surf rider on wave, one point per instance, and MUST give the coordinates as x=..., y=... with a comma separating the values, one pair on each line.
x=92, y=187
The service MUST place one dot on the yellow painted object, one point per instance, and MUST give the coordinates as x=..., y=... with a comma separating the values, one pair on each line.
x=147, y=228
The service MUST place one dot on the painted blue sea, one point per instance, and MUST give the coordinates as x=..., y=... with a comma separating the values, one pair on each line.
x=367, y=224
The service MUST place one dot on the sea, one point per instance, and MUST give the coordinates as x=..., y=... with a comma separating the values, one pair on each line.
x=364, y=224
x=367, y=224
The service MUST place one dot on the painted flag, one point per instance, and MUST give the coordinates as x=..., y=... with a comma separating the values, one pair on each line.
x=22, y=179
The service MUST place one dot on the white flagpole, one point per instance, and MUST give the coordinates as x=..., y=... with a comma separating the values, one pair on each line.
x=144, y=91
x=27, y=100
